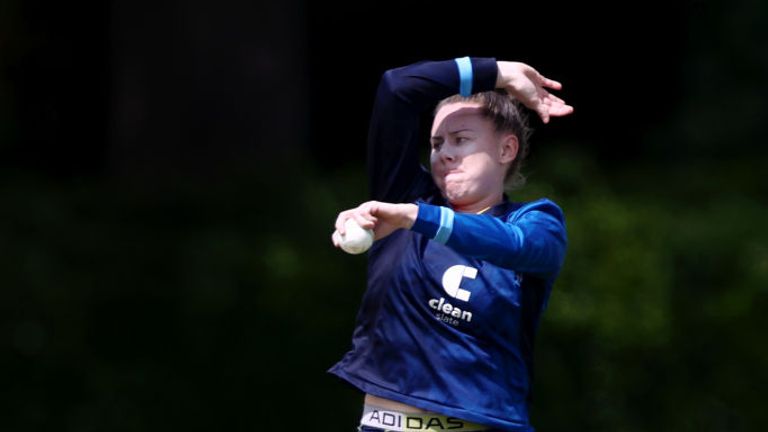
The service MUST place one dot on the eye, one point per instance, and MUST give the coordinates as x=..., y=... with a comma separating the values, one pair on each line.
x=460, y=139
x=436, y=145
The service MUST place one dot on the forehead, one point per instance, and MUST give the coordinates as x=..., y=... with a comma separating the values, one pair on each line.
x=460, y=115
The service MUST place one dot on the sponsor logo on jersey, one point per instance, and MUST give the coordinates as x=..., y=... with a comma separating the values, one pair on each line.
x=446, y=311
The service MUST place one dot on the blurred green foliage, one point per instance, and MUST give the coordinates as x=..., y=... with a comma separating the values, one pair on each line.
x=219, y=306
x=656, y=320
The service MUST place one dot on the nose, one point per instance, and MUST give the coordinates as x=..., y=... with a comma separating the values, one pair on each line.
x=446, y=154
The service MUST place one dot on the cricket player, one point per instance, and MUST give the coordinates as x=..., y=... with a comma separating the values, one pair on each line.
x=459, y=274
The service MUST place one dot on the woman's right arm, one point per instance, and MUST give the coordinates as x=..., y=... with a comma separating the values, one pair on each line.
x=403, y=96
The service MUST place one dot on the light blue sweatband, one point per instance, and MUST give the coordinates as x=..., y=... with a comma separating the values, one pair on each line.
x=446, y=225
x=465, y=75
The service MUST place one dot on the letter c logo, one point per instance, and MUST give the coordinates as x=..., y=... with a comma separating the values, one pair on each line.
x=452, y=281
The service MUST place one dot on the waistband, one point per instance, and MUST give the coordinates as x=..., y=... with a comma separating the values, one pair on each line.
x=398, y=421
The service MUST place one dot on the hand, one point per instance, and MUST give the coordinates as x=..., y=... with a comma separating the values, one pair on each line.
x=383, y=218
x=529, y=87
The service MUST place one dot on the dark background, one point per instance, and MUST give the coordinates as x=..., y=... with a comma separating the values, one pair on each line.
x=170, y=172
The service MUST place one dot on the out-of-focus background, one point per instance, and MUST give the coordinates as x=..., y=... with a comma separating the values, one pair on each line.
x=170, y=173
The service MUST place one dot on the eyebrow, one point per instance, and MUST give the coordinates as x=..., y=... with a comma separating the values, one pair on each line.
x=460, y=130
x=453, y=133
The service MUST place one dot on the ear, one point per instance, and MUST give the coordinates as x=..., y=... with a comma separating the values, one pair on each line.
x=509, y=147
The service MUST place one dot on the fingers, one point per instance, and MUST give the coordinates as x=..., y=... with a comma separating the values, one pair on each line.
x=336, y=238
x=551, y=106
x=555, y=99
x=547, y=82
x=543, y=112
x=361, y=214
x=560, y=110
x=365, y=220
x=547, y=111
x=340, y=219
x=554, y=85
x=530, y=88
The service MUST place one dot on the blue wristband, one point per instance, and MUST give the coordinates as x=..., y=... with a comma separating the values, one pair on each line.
x=465, y=75
x=446, y=225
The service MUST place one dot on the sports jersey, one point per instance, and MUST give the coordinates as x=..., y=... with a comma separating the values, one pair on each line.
x=449, y=315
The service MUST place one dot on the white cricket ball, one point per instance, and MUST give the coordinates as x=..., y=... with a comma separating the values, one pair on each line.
x=356, y=240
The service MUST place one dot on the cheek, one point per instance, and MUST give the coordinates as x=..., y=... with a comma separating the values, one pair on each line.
x=477, y=161
x=437, y=164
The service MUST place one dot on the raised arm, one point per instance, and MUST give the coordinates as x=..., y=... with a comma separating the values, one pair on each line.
x=395, y=173
x=403, y=97
x=405, y=94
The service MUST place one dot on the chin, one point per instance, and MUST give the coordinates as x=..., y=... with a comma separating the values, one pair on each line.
x=456, y=192
x=455, y=196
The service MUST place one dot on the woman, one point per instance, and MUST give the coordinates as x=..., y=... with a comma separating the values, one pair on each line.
x=459, y=275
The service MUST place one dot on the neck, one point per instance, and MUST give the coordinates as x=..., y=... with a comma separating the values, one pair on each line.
x=480, y=205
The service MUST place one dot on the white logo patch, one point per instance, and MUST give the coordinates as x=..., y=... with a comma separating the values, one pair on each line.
x=452, y=281
x=452, y=278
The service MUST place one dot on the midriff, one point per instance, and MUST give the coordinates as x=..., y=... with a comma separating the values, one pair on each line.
x=391, y=405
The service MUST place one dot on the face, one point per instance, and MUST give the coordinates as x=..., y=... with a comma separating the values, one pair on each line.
x=469, y=158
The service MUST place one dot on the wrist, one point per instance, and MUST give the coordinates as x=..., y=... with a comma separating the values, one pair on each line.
x=434, y=222
x=410, y=214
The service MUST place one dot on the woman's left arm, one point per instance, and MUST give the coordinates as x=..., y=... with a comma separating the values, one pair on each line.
x=531, y=240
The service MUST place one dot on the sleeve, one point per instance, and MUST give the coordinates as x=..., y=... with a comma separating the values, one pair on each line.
x=403, y=96
x=531, y=240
